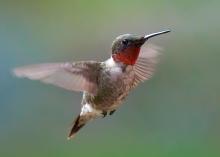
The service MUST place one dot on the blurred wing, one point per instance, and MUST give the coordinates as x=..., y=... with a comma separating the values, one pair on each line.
x=146, y=62
x=78, y=76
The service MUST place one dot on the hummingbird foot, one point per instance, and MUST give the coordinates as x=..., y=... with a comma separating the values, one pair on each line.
x=111, y=112
x=104, y=113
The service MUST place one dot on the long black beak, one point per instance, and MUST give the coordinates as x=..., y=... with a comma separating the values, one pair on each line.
x=146, y=37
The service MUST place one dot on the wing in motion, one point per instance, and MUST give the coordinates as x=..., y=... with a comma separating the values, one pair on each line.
x=76, y=76
x=146, y=62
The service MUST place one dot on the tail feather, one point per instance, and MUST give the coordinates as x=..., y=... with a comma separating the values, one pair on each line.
x=79, y=122
x=87, y=114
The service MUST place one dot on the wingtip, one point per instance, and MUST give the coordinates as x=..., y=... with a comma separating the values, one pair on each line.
x=15, y=72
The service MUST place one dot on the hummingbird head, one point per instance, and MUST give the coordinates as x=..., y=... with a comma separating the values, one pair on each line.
x=126, y=47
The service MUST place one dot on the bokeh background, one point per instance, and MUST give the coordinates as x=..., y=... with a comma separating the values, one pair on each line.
x=175, y=114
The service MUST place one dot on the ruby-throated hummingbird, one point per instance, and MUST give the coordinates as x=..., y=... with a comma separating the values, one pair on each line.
x=104, y=84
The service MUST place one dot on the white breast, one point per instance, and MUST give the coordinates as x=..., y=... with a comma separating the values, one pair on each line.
x=114, y=68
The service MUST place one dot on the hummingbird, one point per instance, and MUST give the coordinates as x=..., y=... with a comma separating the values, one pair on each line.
x=106, y=84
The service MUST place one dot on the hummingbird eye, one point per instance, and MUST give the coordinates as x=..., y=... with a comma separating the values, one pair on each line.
x=125, y=42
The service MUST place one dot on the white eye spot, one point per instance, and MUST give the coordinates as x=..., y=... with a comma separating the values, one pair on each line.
x=125, y=42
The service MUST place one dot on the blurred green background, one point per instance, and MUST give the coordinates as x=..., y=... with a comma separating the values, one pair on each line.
x=175, y=114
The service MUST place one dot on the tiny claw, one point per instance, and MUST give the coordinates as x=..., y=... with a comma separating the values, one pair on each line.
x=111, y=112
x=104, y=113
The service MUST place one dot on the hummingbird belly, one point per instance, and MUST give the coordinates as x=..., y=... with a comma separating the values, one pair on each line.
x=113, y=86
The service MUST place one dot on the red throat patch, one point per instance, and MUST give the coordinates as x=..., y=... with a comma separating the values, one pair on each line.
x=128, y=56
